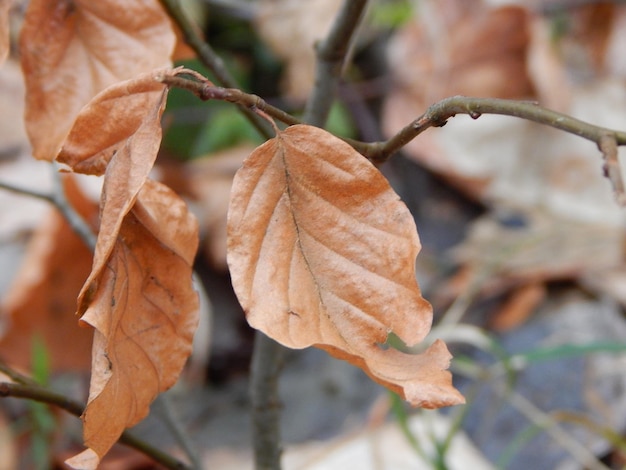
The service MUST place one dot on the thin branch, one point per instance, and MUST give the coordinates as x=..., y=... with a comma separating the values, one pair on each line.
x=608, y=146
x=435, y=116
x=267, y=363
x=163, y=409
x=331, y=55
x=16, y=376
x=205, y=90
x=73, y=218
x=439, y=113
x=546, y=422
x=43, y=395
x=27, y=192
x=208, y=57
x=58, y=199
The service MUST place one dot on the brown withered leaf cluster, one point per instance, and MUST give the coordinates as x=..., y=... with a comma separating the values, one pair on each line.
x=94, y=101
x=320, y=248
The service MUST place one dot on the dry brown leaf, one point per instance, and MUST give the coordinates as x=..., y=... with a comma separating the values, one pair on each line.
x=321, y=252
x=134, y=124
x=40, y=304
x=144, y=311
x=118, y=112
x=5, y=5
x=70, y=51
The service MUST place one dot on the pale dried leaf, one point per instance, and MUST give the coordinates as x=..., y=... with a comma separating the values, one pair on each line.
x=507, y=249
x=144, y=312
x=71, y=50
x=322, y=251
x=13, y=139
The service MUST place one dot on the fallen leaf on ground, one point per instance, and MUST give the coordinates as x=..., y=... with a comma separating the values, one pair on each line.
x=509, y=249
x=41, y=303
x=322, y=252
x=144, y=311
x=70, y=51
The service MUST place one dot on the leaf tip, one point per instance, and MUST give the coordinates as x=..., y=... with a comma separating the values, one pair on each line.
x=86, y=460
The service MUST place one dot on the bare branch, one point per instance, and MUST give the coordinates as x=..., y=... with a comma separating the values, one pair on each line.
x=439, y=113
x=208, y=57
x=43, y=395
x=608, y=146
x=58, y=199
x=436, y=116
x=331, y=55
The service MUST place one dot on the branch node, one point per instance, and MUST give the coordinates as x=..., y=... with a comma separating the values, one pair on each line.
x=607, y=144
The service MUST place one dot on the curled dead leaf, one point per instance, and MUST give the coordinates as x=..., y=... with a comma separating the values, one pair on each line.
x=144, y=312
x=118, y=112
x=70, y=51
x=321, y=252
x=125, y=153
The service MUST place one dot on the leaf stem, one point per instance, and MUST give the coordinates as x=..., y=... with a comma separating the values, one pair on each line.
x=43, y=395
x=331, y=58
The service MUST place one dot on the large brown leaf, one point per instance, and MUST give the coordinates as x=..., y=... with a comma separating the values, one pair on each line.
x=322, y=251
x=73, y=49
x=144, y=312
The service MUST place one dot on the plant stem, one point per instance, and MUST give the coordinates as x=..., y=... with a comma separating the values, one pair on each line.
x=436, y=116
x=440, y=112
x=58, y=199
x=163, y=408
x=43, y=395
x=208, y=57
x=73, y=218
x=267, y=362
x=331, y=56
